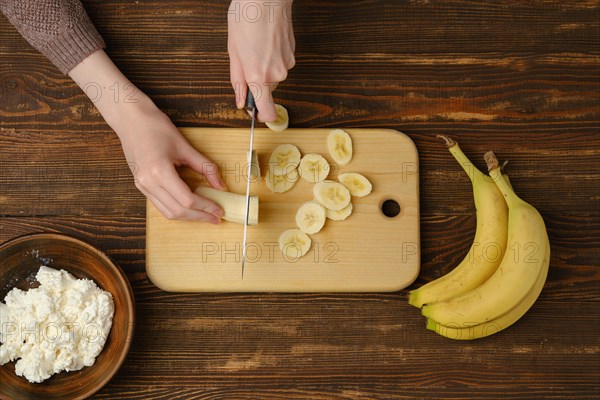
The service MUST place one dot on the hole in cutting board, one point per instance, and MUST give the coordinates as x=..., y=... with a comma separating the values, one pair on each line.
x=390, y=208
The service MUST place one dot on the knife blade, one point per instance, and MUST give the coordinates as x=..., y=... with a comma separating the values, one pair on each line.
x=250, y=106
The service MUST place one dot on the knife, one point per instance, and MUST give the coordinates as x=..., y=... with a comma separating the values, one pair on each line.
x=250, y=106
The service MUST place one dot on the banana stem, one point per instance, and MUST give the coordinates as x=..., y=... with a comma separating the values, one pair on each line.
x=501, y=181
x=466, y=164
x=449, y=141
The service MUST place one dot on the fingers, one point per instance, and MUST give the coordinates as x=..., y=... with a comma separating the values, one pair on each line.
x=261, y=84
x=172, y=197
x=262, y=87
x=264, y=102
x=168, y=207
x=236, y=73
x=204, y=166
x=157, y=203
x=262, y=92
x=188, y=200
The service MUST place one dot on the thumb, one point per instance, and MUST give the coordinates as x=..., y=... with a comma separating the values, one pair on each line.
x=264, y=102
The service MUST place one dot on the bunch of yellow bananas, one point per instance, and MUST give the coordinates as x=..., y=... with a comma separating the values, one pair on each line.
x=505, y=270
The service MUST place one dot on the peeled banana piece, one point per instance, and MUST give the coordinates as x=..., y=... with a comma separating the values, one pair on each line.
x=294, y=244
x=310, y=217
x=233, y=205
x=357, y=184
x=339, y=215
x=282, y=121
x=339, y=145
x=281, y=183
x=332, y=195
x=517, y=273
x=313, y=168
x=284, y=159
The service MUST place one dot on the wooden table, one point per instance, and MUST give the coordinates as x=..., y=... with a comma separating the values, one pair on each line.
x=521, y=78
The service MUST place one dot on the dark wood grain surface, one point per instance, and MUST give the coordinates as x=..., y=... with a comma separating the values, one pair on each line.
x=521, y=78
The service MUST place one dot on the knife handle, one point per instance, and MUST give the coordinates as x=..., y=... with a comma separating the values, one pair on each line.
x=250, y=103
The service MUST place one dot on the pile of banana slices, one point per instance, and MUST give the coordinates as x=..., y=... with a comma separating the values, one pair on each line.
x=506, y=267
x=332, y=200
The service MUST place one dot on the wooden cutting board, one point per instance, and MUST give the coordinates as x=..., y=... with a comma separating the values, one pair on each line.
x=368, y=252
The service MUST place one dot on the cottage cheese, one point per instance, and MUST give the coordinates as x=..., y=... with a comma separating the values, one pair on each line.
x=61, y=325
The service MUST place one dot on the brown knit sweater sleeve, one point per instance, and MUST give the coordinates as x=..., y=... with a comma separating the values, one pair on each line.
x=59, y=29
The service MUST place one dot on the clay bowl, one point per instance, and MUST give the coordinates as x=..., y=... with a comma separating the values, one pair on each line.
x=20, y=259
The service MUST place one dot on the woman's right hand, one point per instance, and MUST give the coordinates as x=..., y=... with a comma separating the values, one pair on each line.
x=261, y=47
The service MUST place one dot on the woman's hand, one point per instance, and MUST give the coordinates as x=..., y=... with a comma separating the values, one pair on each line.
x=155, y=147
x=150, y=141
x=261, y=49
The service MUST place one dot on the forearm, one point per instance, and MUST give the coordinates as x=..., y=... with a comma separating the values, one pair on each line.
x=112, y=93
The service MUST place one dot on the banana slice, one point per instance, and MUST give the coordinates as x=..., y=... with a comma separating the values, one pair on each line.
x=339, y=145
x=281, y=183
x=332, y=195
x=254, y=167
x=310, y=217
x=282, y=121
x=284, y=159
x=313, y=168
x=357, y=184
x=339, y=215
x=294, y=244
